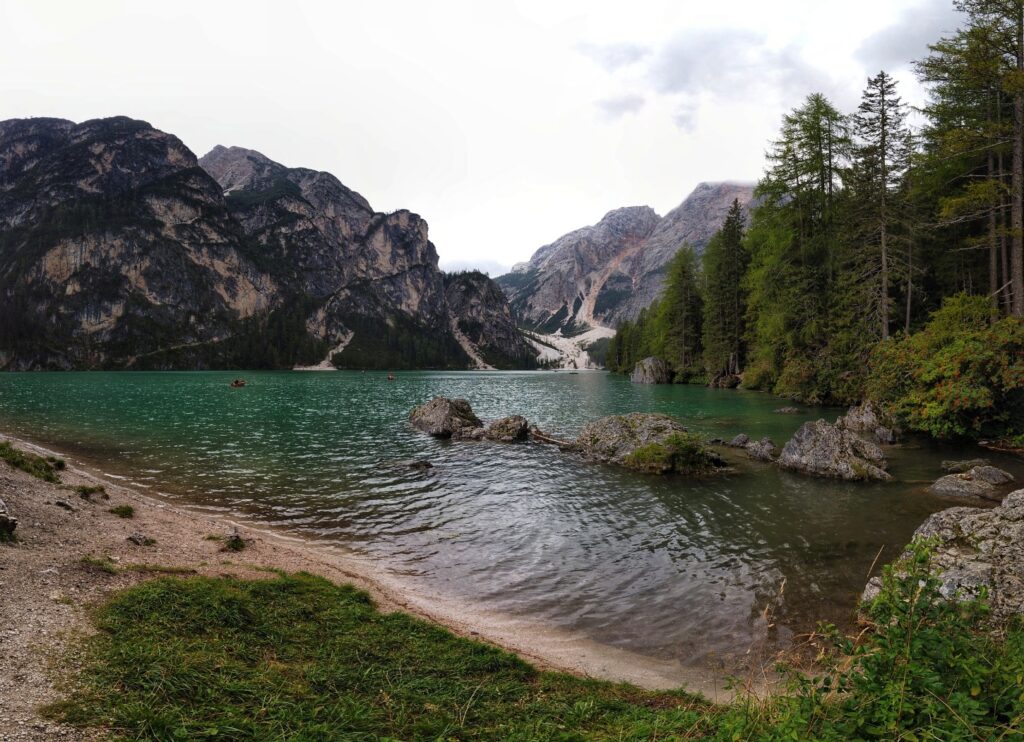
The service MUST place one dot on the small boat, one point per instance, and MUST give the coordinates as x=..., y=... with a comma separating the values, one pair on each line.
x=391, y=377
x=237, y=383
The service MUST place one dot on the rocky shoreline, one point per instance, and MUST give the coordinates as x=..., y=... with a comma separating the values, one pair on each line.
x=69, y=556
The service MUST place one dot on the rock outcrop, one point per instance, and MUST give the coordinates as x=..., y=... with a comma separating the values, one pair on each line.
x=7, y=523
x=508, y=429
x=979, y=481
x=651, y=370
x=870, y=421
x=762, y=450
x=120, y=249
x=446, y=418
x=828, y=450
x=739, y=441
x=978, y=548
x=608, y=272
x=646, y=442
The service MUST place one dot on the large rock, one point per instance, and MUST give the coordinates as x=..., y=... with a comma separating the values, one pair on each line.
x=647, y=442
x=740, y=441
x=962, y=465
x=870, y=421
x=651, y=371
x=762, y=450
x=508, y=429
x=978, y=548
x=725, y=381
x=7, y=523
x=980, y=481
x=446, y=418
x=828, y=450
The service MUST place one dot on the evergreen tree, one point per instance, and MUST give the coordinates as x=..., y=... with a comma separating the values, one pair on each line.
x=725, y=263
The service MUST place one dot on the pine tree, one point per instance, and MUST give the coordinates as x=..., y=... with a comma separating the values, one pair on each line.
x=725, y=263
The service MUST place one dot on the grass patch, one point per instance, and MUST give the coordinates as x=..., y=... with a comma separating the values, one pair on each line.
x=298, y=658
x=123, y=511
x=45, y=468
x=101, y=564
x=684, y=453
x=86, y=491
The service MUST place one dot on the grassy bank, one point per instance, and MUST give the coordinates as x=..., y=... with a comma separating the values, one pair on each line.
x=299, y=658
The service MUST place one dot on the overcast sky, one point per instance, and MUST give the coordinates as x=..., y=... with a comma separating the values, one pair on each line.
x=505, y=124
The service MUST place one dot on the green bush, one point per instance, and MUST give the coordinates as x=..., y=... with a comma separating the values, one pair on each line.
x=961, y=376
x=39, y=467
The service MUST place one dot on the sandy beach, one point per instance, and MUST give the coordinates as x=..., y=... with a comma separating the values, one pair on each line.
x=47, y=587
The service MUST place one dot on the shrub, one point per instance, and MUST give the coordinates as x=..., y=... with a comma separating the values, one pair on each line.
x=42, y=468
x=961, y=376
x=123, y=511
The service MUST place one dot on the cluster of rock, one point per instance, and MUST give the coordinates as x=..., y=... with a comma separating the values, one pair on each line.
x=651, y=370
x=762, y=450
x=641, y=441
x=978, y=548
x=454, y=418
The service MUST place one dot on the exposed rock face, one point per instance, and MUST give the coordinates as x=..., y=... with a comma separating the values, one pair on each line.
x=651, y=371
x=647, y=442
x=979, y=481
x=608, y=272
x=725, y=381
x=7, y=523
x=762, y=450
x=446, y=418
x=118, y=248
x=979, y=548
x=482, y=315
x=508, y=429
x=828, y=450
x=871, y=422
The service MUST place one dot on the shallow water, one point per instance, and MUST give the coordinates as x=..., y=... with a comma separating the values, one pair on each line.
x=664, y=566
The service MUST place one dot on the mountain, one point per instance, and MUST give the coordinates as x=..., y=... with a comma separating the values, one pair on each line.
x=606, y=273
x=119, y=249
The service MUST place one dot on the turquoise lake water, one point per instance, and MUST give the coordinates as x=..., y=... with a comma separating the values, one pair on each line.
x=664, y=566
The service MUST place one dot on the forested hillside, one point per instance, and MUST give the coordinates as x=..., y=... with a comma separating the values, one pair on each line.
x=880, y=259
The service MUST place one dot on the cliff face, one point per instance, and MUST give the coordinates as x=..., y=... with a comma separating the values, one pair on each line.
x=606, y=273
x=119, y=249
x=482, y=316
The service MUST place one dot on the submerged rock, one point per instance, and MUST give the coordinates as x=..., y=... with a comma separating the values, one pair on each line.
x=979, y=481
x=7, y=523
x=828, y=450
x=646, y=442
x=871, y=421
x=955, y=467
x=762, y=450
x=446, y=418
x=651, y=371
x=508, y=429
x=978, y=548
x=787, y=410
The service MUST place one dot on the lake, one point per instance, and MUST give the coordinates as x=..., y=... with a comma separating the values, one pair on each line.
x=664, y=566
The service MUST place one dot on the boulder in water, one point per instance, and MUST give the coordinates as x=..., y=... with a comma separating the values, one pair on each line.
x=956, y=467
x=508, y=429
x=740, y=441
x=651, y=370
x=979, y=481
x=978, y=548
x=646, y=442
x=828, y=450
x=788, y=410
x=725, y=381
x=869, y=420
x=762, y=450
x=446, y=418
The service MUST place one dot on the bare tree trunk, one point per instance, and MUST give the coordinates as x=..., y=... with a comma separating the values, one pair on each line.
x=1017, y=179
x=910, y=283
x=993, y=249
